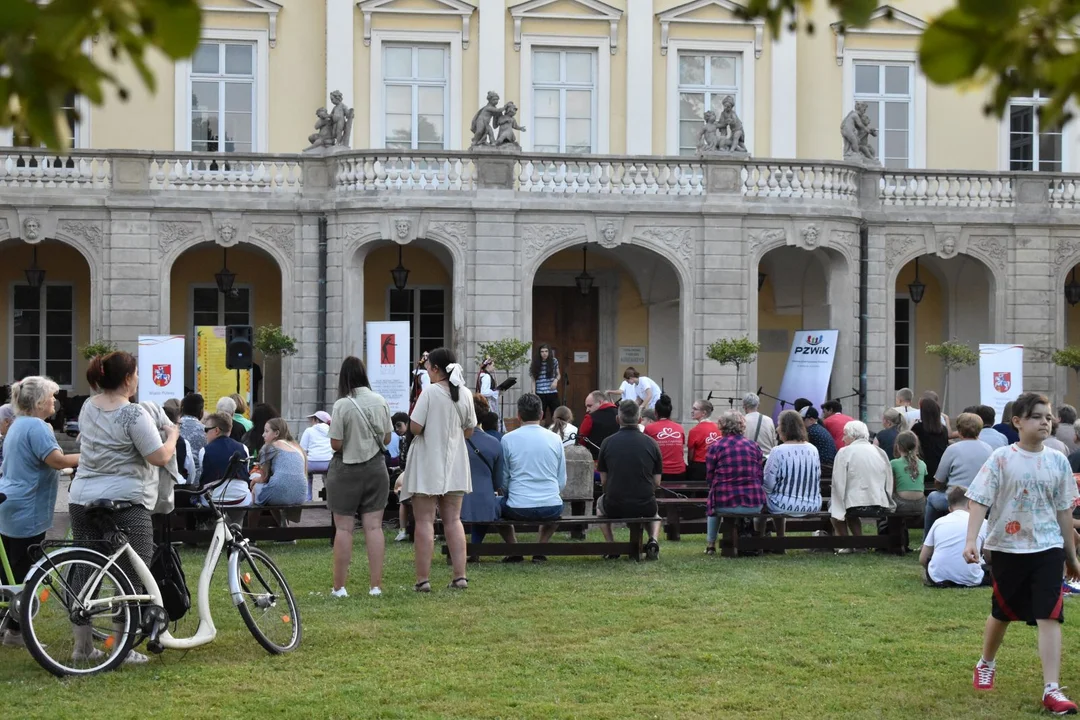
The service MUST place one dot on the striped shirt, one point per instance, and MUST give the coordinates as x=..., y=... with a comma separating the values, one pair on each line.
x=793, y=479
x=545, y=385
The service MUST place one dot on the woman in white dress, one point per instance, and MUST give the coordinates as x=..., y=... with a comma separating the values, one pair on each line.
x=437, y=473
x=487, y=387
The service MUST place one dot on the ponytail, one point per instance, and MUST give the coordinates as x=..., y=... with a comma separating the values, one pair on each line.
x=109, y=372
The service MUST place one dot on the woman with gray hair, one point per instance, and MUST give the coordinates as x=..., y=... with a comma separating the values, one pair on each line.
x=862, y=482
x=733, y=467
x=29, y=478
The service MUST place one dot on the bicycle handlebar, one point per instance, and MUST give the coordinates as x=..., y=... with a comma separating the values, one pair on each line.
x=230, y=474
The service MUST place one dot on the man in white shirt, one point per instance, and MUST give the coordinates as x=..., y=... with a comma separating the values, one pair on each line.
x=942, y=552
x=627, y=390
x=759, y=426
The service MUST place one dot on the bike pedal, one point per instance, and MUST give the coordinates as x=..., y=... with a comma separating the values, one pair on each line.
x=155, y=647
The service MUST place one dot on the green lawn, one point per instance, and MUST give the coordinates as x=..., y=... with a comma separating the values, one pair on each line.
x=801, y=635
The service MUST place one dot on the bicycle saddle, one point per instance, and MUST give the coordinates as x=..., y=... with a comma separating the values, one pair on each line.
x=105, y=505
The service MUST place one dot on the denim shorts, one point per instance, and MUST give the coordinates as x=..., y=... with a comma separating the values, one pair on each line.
x=551, y=512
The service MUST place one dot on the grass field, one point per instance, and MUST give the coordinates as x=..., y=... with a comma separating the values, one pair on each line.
x=802, y=635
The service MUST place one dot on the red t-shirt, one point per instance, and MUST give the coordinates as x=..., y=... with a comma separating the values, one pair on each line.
x=704, y=434
x=835, y=425
x=671, y=438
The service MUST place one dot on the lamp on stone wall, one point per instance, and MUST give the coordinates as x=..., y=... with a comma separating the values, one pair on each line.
x=917, y=287
x=1072, y=289
x=35, y=276
x=584, y=281
x=224, y=278
x=761, y=280
x=400, y=274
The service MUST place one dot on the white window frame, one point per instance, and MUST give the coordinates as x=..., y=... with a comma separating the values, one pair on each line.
x=261, y=106
x=601, y=84
x=747, y=96
x=416, y=83
x=41, y=329
x=918, y=94
x=82, y=127
x=1068, y=135
x=911, y=339
x=563, y=87
x=414, y=342
x=377, y=92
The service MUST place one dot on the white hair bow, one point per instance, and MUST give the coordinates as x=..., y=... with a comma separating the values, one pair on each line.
x=456, y=374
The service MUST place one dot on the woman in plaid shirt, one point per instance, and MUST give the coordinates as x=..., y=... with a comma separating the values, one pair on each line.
x=734, y=467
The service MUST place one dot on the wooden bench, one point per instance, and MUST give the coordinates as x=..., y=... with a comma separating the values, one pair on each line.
x=680, y=515
x=253, y=530
x=633, y=548
x=732, y=544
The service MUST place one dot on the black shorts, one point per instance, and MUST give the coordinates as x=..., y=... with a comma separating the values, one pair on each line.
x=549, y=401
x=1027, y=587
x=630, y=510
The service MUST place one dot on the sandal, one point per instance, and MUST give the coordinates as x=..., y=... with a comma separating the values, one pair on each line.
x=455, y=584
x=423, y=586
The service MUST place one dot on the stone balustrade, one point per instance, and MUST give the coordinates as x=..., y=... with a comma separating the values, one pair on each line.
x=366, y=171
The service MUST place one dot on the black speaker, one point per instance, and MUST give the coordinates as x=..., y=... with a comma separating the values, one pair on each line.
x=238, y=347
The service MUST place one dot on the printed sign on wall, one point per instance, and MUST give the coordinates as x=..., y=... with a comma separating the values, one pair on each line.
x=161, y=367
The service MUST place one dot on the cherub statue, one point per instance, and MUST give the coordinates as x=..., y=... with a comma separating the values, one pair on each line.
x=507, y=125
x=482, y=126
x=709, y=138
x=736, y=137
x=342, y=115
x=856, y=132
x=324, y=131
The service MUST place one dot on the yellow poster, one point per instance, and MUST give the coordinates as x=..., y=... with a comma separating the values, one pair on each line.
x=212, y=379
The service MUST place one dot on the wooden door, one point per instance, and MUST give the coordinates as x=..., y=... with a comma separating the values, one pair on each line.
x=569, y=322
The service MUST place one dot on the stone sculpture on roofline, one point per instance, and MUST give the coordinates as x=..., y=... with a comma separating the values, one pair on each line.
x=333, y=128
x=723, y=134
x=493, y=126
x=856, y=131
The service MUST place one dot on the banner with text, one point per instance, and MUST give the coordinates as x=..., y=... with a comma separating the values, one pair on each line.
x=161, y=367
x=1001, y=375
x=388, y=346
x=809, y=368
x=212, y=379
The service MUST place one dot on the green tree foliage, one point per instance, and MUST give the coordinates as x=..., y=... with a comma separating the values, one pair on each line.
x=953, y=355
x=507, y=354
x=1014, y=46
x=42, y=61
x=89, y=351
x=271, y=341
x=1068, y=357
x=734, y=351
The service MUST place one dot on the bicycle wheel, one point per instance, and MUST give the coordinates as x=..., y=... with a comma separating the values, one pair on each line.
x=268, y=607
x=61, y=633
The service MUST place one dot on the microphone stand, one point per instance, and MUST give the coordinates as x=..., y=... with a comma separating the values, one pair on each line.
x=854, y=393
x=783, y=403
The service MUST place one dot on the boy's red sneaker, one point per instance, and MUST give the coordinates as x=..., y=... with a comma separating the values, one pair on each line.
x=984, y=676
x=1056, y=702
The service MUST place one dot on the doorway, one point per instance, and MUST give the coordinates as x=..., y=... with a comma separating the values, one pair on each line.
x=569, y=322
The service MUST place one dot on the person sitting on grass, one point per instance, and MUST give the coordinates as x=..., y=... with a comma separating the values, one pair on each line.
x=630, y=467
x=533, y=472
x=959, y=464
x=942, y=553
x=862, y=482
x=1030, y=493
x=734, y=469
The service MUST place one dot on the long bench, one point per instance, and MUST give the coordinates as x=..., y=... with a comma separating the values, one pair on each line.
x=732, y=544
x=253, y=530
x=632, y=548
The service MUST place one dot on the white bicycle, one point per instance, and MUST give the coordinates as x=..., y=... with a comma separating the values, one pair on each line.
x=87, y=617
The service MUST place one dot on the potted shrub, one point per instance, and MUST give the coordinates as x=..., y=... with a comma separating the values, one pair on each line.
x=734, y=351
x=953, y=355
x=99, y=347
x=508, y=355
x=274, y=344
x=1068, y=357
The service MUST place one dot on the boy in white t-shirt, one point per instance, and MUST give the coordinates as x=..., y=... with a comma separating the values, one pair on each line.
x=942, y=552
x=1030, y=492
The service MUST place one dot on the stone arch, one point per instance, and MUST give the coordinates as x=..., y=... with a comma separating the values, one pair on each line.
x=92, y=255
x=179, y=236
x=1064, y=256
x=835, y=254
x=359, y=239
x=677, y=246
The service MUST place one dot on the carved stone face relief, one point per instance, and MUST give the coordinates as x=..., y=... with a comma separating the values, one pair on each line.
x=226, y=233
x=948, y=246
x=31, y=228
x=609, y=232
x=810, y=236
x=401, y=227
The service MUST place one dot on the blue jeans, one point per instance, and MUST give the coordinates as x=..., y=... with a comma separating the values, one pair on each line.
x=937, y=506
x=712, y=524
x=551, y=512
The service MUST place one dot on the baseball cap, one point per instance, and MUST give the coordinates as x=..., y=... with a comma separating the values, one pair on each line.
x=321, y=416
x=810, y=412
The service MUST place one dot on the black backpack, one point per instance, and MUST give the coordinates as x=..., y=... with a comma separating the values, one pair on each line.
x=169, y=574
